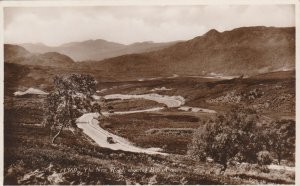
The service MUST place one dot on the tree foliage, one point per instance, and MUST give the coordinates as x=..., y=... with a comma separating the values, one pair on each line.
x=280, y=138
x=72, y=96
x=264, y=157
x=239, y=135
x=227, y=136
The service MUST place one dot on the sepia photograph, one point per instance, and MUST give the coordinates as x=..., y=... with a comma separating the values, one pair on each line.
x=184, y=93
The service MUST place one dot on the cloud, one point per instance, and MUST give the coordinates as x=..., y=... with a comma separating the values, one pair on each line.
x=128, y=24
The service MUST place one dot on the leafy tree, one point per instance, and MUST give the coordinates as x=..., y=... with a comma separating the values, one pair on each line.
x=241, y=135
x=71, y=97
x=280, y=138
x=226, y=137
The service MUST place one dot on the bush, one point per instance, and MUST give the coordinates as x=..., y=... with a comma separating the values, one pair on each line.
x=239, y=136
x=264, y=157
x=227, y=136
x=280, y=138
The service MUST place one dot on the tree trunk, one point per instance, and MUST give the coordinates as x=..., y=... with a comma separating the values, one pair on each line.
x=224, y=167
x=51, y=131
x=53, y=139
x=279, y=158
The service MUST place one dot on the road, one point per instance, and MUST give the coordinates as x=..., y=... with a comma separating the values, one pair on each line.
x=89, y=124
x=169, y=101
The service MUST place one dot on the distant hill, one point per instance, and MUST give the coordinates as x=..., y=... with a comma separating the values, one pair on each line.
x=14, y=51
x=95, y=49
x=242, y=51
x=18, y=55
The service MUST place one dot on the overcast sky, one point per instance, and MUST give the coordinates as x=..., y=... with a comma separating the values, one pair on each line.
x=129, y=24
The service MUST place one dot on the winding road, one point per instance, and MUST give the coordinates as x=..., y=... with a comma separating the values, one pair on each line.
x=169, y=101
x=89, y=124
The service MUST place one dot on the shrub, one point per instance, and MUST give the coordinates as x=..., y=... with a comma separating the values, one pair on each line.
x=240, y=136
x=280, y=138
x=227, y=136
x=264, y=157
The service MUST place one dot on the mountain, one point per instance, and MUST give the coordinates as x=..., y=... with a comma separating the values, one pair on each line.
x=36, y=47
x=242, y=51
x=95, y=49
x=14, y=51
x=18, y=55
x=142, y=47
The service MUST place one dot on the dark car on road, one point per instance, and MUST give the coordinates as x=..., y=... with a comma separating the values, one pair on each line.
x=110, y=140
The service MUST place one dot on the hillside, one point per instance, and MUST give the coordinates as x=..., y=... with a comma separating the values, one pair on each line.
x=18, y=55
x=14, y=51
x=242, y=51
x=96, y=49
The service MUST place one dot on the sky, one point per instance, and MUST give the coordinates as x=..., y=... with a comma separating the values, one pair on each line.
x=54, y=26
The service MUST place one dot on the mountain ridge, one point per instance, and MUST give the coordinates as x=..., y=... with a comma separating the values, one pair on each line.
x=97, y=49
x=241, y=51
x=19, y=55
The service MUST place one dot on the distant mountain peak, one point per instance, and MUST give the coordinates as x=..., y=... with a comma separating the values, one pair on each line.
x=212, y=32
x=96, y=49
x=144, y=42
x=91, y=42
x=40, y=43
x=94, y=41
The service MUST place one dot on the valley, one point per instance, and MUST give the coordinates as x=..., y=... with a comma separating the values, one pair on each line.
x=168, y=128
x=152, y=107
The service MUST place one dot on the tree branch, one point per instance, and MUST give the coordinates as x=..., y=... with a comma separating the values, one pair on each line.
x=53, y=139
